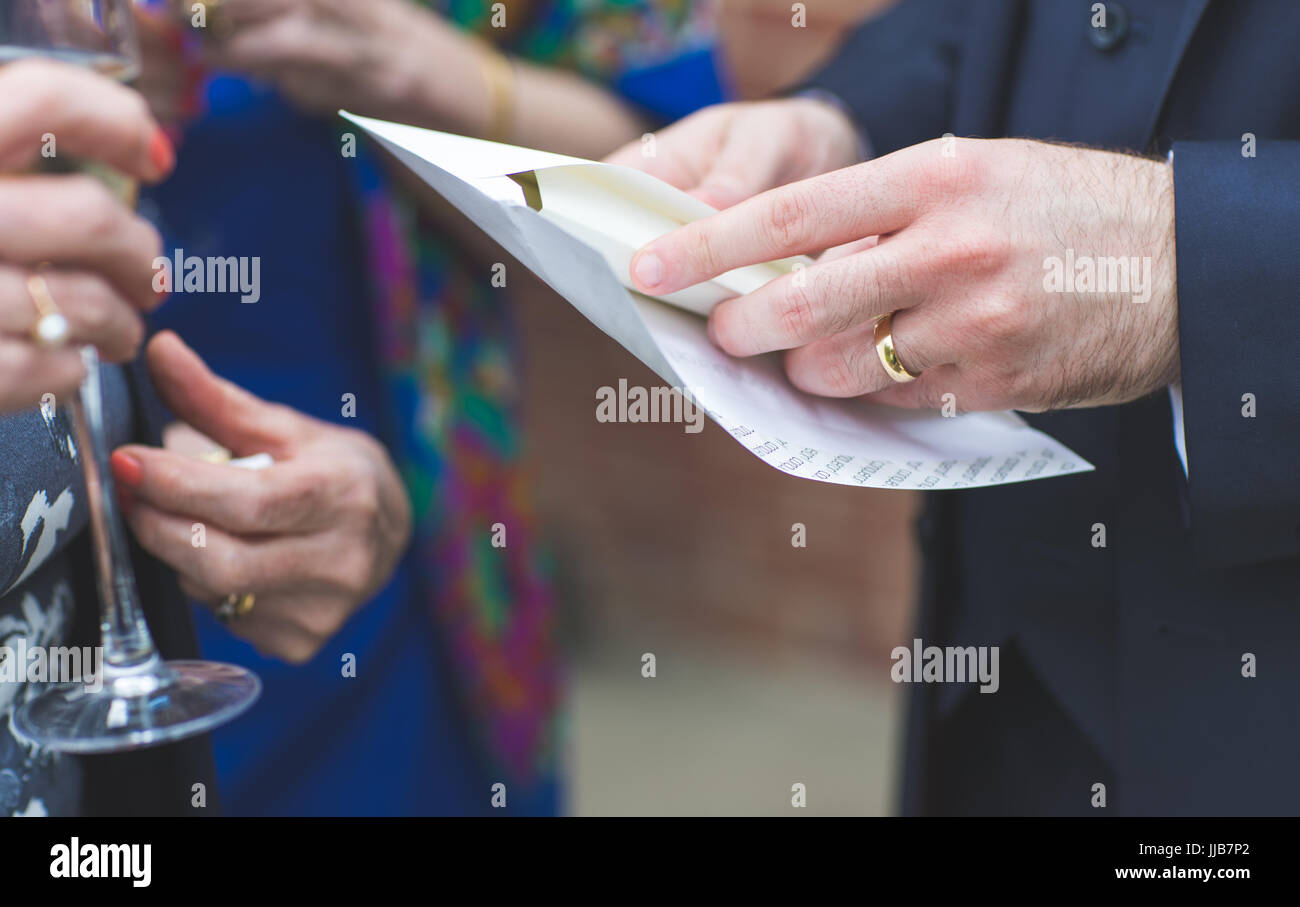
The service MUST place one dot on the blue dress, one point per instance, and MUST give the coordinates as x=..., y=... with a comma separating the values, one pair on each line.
x=254, y=178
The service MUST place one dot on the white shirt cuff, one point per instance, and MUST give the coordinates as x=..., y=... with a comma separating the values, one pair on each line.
x=1180, y=440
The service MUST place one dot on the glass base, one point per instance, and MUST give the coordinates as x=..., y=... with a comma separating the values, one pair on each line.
x=156, y=703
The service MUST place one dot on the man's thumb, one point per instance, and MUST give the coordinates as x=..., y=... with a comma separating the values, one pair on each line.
x=227, y=414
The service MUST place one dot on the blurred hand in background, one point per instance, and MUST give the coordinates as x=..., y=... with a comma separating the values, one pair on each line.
x=726, y=153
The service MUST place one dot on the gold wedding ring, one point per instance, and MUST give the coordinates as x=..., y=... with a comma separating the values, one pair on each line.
x=51, y=328
x=235, y=606
x=888, y=352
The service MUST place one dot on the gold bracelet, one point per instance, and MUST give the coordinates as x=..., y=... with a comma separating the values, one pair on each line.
x=499, y=72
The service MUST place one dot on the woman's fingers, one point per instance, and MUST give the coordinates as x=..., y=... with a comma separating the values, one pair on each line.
x=242, y=13
x=95, y=311
x=282, y=499
x=315, y=565
x=750, y=158
x=69, y=112
x=96, y=257
x=206, y=553
x=679, y=154
x=27, y=374
x=75, y=221
x=280, y=626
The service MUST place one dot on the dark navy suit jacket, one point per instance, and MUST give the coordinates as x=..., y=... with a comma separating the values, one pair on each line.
x=1136, y=649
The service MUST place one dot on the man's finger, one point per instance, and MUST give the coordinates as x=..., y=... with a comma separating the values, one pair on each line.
x=800, y=218
x=848, y=248
x=48, y=106
x=847, y=364
x=816, y=302
x=935, y=388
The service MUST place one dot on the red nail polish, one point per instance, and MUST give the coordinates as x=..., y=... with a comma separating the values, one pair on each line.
x=161, y=153
x=126, y=469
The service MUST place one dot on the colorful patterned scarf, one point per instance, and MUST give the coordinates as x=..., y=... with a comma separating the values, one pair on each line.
x=448, y=349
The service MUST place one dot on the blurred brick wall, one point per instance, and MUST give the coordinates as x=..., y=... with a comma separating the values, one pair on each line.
x=649, y=522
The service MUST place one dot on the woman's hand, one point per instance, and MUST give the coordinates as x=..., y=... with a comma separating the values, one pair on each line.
x=313, y=536
x=382, y=58
x=726, y=153
x=99, y=255
x=168, y=79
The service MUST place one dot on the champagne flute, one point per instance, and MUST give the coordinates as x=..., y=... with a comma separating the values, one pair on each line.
x=140, y=700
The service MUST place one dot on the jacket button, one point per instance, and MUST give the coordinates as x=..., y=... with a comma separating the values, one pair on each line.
x=1107, y=26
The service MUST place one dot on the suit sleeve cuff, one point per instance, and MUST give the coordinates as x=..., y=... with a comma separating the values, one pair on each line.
x=1236, y=219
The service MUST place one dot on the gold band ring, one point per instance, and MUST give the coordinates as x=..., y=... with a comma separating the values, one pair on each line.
x=235, y=606
x=888, y=352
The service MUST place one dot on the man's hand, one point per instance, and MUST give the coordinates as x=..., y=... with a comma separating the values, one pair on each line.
x=313, y=537
x=1024, y=275
x=726, y=153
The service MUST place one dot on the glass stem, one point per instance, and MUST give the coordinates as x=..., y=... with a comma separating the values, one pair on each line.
x=124, y=634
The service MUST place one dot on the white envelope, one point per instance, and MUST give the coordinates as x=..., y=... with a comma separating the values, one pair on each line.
x=576, y=223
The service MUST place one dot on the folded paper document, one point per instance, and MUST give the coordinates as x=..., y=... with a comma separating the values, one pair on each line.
x=576, y=224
